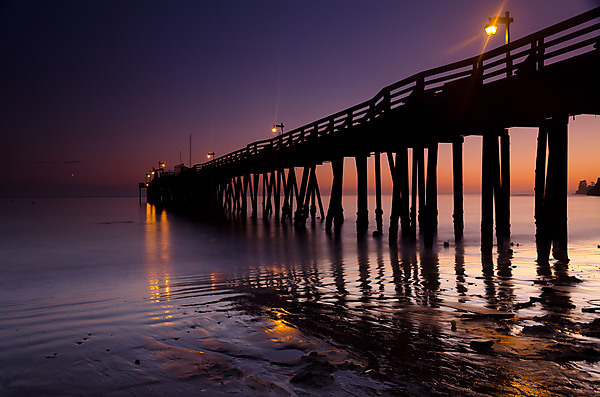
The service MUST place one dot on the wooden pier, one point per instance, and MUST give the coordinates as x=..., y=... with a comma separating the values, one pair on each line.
x=537, y=81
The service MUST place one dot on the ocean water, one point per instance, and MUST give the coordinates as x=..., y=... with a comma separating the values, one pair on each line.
x=107, y=296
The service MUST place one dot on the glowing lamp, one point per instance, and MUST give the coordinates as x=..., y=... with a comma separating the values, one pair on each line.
x=275, y=127
x=491, y=29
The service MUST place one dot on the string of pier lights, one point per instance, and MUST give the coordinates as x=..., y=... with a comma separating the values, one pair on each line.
x=150, y=174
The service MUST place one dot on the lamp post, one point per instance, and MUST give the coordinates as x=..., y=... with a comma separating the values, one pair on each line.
x=210, y=155
x=275, y=126
x=492, y=27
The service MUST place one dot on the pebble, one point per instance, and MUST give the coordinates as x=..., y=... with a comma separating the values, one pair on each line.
x=480, y=345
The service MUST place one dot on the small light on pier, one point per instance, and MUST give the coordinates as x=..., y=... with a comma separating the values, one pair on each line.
x=210, y=155
x=275, y=126
x=492, y=27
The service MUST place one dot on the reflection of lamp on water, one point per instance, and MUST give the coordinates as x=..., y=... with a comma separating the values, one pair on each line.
x=275, y=126
x=210, y=155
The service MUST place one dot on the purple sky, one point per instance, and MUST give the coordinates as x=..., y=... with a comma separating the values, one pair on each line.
x=95, y=93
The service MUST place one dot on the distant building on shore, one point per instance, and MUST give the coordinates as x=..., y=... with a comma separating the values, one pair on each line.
x=593, y=189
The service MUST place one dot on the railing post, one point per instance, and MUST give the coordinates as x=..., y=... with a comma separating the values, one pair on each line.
x=540, y=54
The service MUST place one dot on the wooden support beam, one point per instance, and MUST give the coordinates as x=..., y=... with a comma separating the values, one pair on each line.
x=312, y=200
x=419, y=153
x=255, y=180
x=487, y=195
x=308, y=195
x=246, y=186
x=290, y=190
x=238, y=196
x=318, y=192
x=431, y=195
x=362, y=213
x=270, y=184
x=505, y=190
x=378, y=209
x=299, y=215
x=542, y=239
x=267, y=206
x=277, y=193
x=264, y=194
x=402, y=179
x=335, y=211
x=395, y=211
x=556, y=186
x=494, y=164
x=457, y=171
x=286, y=196
x=413, y=205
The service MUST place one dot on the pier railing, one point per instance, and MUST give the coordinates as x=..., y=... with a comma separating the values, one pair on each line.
x=567, y=39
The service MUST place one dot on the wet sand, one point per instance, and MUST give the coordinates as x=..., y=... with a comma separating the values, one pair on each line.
x=273, y=311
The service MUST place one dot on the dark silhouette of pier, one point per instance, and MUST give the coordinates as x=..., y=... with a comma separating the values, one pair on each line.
x=537, y=81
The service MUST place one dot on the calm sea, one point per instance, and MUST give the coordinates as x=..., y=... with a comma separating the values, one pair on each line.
x=104, y=296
